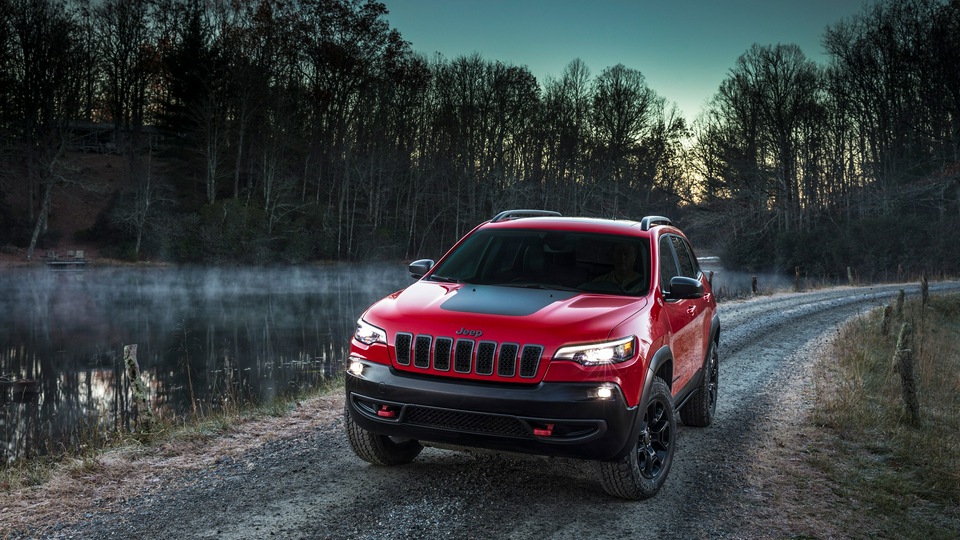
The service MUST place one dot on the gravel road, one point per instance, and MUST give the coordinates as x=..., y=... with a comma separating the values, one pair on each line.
x=312, y=486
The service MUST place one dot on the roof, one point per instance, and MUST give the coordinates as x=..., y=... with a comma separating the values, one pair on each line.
x=579, y=224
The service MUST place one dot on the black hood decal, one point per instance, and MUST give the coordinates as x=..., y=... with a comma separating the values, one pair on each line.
x=513, y=301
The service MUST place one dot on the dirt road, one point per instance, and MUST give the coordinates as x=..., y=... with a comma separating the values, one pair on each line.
x=310, y=485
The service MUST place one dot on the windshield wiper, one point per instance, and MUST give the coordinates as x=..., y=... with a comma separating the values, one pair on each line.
x=444, y=279
x=542, y=286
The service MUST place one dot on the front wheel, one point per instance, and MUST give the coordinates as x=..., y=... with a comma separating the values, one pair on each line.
x=379, y=449
x=641, y=473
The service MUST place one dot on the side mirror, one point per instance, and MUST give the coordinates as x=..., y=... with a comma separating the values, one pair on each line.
x=682, y=288
x=419, y=268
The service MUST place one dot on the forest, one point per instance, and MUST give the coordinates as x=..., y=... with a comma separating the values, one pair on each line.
x=288, y=131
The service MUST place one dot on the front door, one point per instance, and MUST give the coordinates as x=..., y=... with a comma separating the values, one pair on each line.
x=687, y=316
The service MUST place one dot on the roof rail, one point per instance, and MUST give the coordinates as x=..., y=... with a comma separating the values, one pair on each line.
x=653, y=221
x=514, y=214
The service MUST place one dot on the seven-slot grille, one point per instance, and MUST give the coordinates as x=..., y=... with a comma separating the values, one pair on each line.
x=464, y=355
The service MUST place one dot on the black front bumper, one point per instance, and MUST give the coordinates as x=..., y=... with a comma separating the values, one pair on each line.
x=554, y=419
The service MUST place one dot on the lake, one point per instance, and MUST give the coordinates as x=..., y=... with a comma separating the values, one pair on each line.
x=206, y=338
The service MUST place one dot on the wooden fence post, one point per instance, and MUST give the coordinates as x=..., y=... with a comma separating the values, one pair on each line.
x=899, y=311
x=754, y=286
x=924, y=291
x=144, y=414
x=903, y=364
x=885, y=324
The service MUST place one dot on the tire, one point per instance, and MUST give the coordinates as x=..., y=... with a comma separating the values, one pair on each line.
x=641, y=473
x=702, y=407
x=379, y=449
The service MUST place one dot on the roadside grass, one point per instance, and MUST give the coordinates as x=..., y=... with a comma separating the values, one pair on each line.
x=903, y=475
x=93, y=442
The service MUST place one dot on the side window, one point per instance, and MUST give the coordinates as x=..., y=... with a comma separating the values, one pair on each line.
x=668, y=266
x=688, y=266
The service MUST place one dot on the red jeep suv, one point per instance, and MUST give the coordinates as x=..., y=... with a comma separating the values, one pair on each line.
x=542, y=334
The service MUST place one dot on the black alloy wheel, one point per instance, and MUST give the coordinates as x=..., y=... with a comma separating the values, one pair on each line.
x=655, y=446
x=643, y=470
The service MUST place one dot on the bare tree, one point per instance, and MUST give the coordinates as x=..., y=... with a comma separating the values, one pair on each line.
x=138, y=214
x=567, y=137
x=898, y=69
x=757, y=125
x=622, y=115
x=125, y=44
x=46, y=97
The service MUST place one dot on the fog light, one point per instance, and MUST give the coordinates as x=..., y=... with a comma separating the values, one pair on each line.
x=355, y=368
x=604, y=392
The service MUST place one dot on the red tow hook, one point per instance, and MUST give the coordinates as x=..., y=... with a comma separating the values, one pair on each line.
x=544, y=431
x=386, y=412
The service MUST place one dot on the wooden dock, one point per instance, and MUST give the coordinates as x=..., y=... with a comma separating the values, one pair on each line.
x=72, y=260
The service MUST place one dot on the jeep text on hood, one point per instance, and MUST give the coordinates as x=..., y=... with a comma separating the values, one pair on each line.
x=542, y=334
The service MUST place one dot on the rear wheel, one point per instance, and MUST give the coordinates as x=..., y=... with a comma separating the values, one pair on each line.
x=641, y=473
x=702, y=407
x=379, y=449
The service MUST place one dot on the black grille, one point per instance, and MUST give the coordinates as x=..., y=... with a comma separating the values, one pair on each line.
x=530, y=360
x=404, y=341
x=465, y=421
x=441, y=354
x=421, y=357
x=485, y=352
x=488, y=358
x=508, y=360
x=464, y=356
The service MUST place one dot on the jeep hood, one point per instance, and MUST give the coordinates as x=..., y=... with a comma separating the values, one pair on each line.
x=505, y=314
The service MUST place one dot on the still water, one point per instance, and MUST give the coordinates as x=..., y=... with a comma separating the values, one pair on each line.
x=206, y=338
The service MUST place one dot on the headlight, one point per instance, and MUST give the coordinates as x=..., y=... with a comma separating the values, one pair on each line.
x=368, y=333
x=596, y=354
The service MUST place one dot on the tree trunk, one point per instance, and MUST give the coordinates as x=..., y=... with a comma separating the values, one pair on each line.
x=144, y=418
x=41, y=225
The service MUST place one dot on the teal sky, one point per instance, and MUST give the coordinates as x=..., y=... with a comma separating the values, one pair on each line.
x=684, y=48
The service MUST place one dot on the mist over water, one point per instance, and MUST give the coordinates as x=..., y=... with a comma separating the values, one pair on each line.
x=206, y=338
x=733, y=283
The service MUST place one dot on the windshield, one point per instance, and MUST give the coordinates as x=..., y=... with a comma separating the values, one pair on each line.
x=551, y=260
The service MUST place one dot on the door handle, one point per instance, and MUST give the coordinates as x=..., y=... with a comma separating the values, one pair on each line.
x=692, y=311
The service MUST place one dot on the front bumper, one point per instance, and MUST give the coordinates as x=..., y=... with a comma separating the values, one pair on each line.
x=554, y=419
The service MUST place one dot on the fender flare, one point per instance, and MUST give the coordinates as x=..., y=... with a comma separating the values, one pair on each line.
x=715, y=328
x=714, y=340
x=662, y=356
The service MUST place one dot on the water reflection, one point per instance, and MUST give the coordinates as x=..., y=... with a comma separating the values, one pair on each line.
x=205, y=337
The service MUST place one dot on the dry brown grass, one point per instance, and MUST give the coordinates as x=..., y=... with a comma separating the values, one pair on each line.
x=903, y=476
x=848, y=463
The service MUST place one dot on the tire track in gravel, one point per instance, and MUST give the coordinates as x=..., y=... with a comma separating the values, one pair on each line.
x=312, y=486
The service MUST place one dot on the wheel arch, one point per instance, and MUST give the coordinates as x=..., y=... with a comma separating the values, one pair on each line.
x=715, y=328
x=660, y=365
